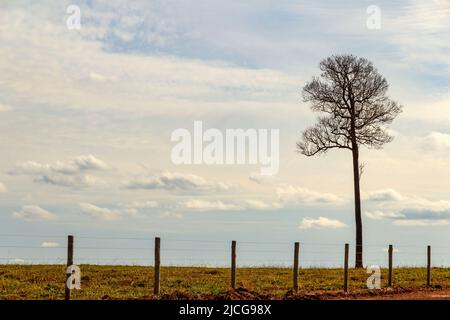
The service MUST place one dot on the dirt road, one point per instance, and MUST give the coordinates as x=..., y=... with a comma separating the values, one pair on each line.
x=417, y=295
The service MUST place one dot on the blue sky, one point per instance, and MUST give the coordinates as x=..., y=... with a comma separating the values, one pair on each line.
x=88, y=113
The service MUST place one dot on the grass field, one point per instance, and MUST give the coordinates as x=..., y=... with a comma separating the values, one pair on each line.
x=134, y=282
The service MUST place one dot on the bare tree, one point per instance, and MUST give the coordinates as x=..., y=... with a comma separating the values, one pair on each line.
x=352, y=95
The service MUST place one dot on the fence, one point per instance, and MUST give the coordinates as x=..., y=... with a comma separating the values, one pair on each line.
x=296, y=253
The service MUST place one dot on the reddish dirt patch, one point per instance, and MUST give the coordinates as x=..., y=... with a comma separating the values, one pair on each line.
x=417, y=295
x=397, y=293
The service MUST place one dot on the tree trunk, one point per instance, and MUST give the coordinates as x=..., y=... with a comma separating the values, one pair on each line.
x=358, y=220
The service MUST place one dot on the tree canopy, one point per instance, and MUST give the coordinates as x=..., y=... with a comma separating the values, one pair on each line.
x=352, y=94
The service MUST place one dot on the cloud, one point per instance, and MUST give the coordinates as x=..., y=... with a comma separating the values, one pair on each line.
x=296, y=195
x=68, y=174
x=436, y=141
x=261, y=179
x=79, y=75
x=101, y=78
x=50, y=244
x=17, y=261
x=414, y=212
x=430, y=15
x=106, y=213
x=4, y=108
x=81, y=67
x=176, y=215
x=258, y=204
x=173, y=181
x=3, y=187
x=142, y=204
x=426, y=213
x=321, y=223
x=425, y=23
x=68, y=181
x=198, y=204
x=88, y=162
x=145, y=22
x=384, y=195
x=421, y=223
x=31, y=213
x=379, y=215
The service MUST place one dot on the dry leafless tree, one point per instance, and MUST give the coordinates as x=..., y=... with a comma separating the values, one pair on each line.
x=352, y=96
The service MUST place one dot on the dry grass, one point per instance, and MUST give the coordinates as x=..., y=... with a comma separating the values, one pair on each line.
x=133, y=282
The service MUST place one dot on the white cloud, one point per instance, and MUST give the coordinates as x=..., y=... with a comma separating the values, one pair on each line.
x=81, y=77
x=423, y=205
x=4, y=107
x=413, y=212
x=436, y=141
x=17, y=261
x=421, y=223
x=176, y=215
x=69, y=181
x=50, y=244
x=201, y=204
x=101, y=78
x=261, y=179
x=258, y=204
x=31, y=213
x=296, y=195
x=172, y=84
x=378, y=215
x=321, y=223
x=68, y=174
x=145, y=204
x=174, y=181
x=88, y=162
x=3, y=187
x=76, y=165
x=198, y=204
x=105, y=213
x=437, y=113
x=431, y=15
x=384, y=195
x=425, y=24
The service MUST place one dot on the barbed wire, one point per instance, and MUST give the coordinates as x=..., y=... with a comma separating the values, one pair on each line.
x=214, y=241
x=281, y=251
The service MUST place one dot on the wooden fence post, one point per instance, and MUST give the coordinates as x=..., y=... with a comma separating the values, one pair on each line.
x=156, y=285
x=346, y=268
x=296, y=253
x=233, y=264
x=69, y=263
x=428, y=266
x=391, y=250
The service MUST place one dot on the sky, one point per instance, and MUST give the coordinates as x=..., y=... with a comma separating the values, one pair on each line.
x=87, y=116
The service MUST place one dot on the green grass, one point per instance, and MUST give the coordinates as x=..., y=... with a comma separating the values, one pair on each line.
x=134, y=282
